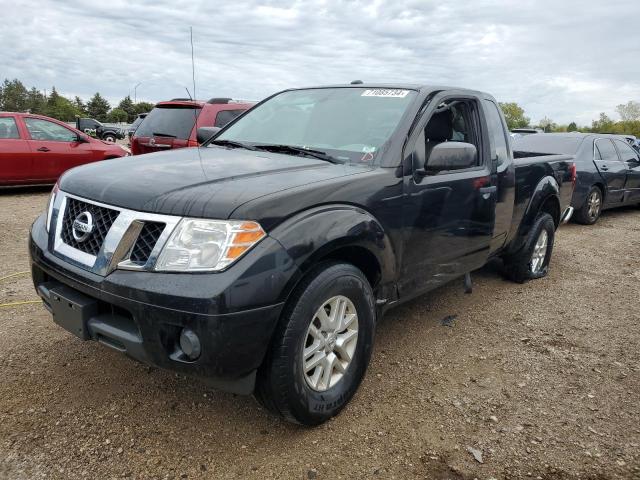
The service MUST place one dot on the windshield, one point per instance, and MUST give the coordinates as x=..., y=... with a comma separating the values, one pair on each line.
x=170, y=120
x=350, y=124
x=548, y=143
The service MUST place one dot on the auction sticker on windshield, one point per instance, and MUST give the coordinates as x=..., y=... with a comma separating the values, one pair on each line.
x=385, y=92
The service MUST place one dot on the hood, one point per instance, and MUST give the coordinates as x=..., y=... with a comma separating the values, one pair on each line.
x=209, y=183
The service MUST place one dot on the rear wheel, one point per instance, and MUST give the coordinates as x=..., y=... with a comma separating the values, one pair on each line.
x=532, y=261
x=109, y=137
x=321, y=348
x=589, y=213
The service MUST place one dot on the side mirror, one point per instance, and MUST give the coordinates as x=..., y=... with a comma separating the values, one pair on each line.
x=205, y=133
x=451, y=156
x=82, y=139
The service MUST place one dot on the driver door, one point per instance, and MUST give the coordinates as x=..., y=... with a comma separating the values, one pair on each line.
x=54, y=149
x=449, y=216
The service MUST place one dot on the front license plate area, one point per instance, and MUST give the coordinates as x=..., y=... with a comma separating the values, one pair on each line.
x=72, y=310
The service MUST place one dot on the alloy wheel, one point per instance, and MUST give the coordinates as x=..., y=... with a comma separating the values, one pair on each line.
x=330, y=343
x=539, y=252
x=593, y=204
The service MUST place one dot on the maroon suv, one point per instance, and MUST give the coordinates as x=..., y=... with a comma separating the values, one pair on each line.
x=174, y=124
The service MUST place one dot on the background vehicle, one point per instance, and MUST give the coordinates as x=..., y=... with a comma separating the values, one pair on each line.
x=173, y=124
x=263, y=260
x=608, y=169
x=136, y=123
x=94, y=128
x=526, y=131
x=37, y=150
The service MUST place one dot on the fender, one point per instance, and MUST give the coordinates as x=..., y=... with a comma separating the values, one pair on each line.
x=316, y=233
x=546, y=190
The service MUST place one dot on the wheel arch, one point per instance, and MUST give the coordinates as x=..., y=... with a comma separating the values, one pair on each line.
x=344, y=233
x=544, y=198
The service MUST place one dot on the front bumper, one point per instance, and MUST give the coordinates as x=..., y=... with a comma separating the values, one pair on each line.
x=141, y=314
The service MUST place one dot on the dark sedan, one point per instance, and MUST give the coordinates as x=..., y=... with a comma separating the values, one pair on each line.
x=608, y=169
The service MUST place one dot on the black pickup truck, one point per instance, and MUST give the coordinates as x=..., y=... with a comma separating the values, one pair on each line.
x=263, y=260
x=94, y=128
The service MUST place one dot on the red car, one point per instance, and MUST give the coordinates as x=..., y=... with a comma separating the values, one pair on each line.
x=37, y=150
x=172, y=124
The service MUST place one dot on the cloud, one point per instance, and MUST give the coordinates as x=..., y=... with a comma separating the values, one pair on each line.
x=565, y=60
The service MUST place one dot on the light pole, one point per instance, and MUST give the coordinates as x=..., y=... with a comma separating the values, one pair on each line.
x=135, y=97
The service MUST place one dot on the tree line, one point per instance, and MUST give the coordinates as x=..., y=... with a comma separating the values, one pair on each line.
x=629, y=122
x=15, y=97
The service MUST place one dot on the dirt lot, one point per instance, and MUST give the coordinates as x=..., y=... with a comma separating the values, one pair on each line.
x=541, y=379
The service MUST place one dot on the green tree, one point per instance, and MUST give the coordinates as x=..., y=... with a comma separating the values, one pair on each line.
x=143, y=107
x=117, y=115
x=127, y=105
x=14, y=96
x=80, y=106
x=603, y=125
x=547, y=125
x=36, y=103
x=98, y=108
x=572, y=127
x=514, y=115
x=60, y=107
x=629, y=111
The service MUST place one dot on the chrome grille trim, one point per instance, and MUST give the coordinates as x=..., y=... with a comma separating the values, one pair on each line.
x=118, y=243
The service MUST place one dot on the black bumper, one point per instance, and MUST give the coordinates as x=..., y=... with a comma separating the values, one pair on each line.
x=143, y=313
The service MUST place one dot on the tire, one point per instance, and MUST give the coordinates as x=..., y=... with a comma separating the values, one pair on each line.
x=585, y=214
x=282, y=385
x=109, y=137
x=523, y=265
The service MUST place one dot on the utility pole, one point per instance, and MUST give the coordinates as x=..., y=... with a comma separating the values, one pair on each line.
x=135, y=96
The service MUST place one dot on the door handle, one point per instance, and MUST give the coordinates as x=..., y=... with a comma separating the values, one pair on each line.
x=486, y=192
x=43, y=149
x=604, y=167
x=491, y=189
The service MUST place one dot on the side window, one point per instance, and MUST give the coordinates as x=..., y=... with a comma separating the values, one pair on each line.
x=455, y=120
x=606, y=150
x=627, y=153
x=499, y=151
x=8, y=128
x=49, y=131
x=225, y=116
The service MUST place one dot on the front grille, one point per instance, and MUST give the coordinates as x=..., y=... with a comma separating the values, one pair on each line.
x=103, y=218
x=147, y=239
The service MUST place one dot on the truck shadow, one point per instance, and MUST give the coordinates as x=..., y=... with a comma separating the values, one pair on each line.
x=24, y=190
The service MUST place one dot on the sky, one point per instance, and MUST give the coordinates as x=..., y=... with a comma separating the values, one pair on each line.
x=567, y=60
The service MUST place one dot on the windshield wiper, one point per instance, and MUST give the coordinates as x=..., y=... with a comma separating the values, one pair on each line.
x=232, y=143
x=277, y=148
x=156, y=134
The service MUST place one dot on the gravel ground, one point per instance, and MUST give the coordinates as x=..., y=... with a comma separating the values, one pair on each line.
x=538, y=380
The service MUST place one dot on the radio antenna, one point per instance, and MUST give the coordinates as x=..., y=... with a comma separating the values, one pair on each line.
x=195, y=112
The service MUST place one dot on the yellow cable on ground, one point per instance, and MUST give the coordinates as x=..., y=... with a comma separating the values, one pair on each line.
x=14, y=275
x=15, y=304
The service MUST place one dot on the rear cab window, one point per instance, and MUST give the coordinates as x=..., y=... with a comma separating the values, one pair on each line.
x=8, y=128
x=174, y=121
x=497, y=134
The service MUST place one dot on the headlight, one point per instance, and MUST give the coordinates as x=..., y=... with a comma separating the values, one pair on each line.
x=52, y=200
x=207, y=245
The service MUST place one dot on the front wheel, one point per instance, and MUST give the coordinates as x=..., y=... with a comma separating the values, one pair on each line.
x=532, y=260
x=109, y=137
x=322, y=346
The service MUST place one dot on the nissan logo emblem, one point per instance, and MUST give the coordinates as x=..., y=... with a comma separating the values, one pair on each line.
x=82, y=226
